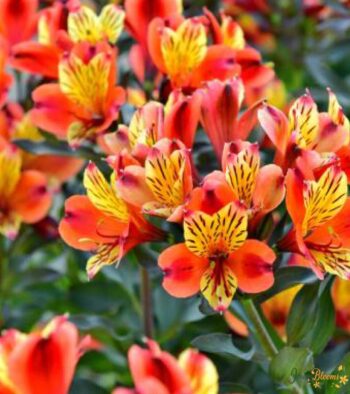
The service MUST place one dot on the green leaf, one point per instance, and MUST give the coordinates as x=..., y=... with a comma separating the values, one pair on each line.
x=222, y=344
x=229, y=388
x=287, y=277
x=60, y=148
x=87, y=387
x=290, y=363
x=311, y=321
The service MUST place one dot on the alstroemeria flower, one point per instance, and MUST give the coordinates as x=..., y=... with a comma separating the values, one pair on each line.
x=260, y=189
x=221, y=103
x=305, y=128
x=82, y=24
x=103, y=223
x=181, y=52
x=24, y=196
x=15, y=124
x=43, y=361
x=156, y=371
x=319, y=209
x=18, y=20
x=178, y=120
x=230, y=34
x=85, y=101
x=216, y=258
x=160, y=187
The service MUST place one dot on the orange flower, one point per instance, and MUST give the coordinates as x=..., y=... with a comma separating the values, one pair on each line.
x=43, y=361
x=76, y=108
x=23, y=194
x=177, y=120
x=5, y=78
x=162, y=186
x=15, y=14
x=82, y=25
x=305, y=128
x=340, y=295
x=221, y=103
x=216, y=258
x=181, y=52
x=318, y=208
x=103, y=223
x=156, y=371
x=261, y=190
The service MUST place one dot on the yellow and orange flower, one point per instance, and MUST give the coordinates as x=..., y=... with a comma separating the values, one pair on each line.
x=156, y=371
x=319, y=208
x=103, y=223
x=305, y=128
x=216, y=258
x=24, y=195
x=43, y=361
x=85, y=101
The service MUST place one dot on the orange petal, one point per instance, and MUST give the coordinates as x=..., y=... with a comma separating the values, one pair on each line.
x=294, y=197
x=52, y=110
x=269, y=188
x=31, y=199
x=19, y=19
x=235, y=324
x=84, y=226
x=159, y=365
x=36, y=58
x=61, y=168
x=182, y=270
x=275, y=124
x=252, y=265
x=219, y=63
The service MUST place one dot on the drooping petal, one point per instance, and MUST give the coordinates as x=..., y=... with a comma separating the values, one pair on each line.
x=201, y=371
x=218, y=285
x=182, y=270
x=84, y=226
x=252, y=266
x=36, y=58
x=324, y=198
x=31, y=199
x=52, y=110
x=103, y=196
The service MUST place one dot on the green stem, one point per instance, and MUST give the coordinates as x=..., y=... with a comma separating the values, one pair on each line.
x=146, y=299
x=264, y=338
x=261, y=332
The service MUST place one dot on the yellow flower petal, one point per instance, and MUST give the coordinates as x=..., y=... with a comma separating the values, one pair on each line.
x=106, y=254
x=324, y=198
x=218, y=285
x=103, y=195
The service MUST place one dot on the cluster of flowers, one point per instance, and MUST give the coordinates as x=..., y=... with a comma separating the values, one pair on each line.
x=201, y=72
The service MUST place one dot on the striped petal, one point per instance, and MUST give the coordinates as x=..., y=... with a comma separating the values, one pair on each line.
x=102, y=194
x=83, y=25
x=86, y=84
x=112, y=22
x=336, y=112
x=106, y=254
x=304, y=120
x=218, y=285
x=324, y=198
x=332, y=259
x=165, y=176
x=219, y=234
x=183, y=50
x=242, y=171
x=10, y=169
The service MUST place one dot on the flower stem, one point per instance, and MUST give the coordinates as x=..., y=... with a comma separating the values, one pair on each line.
x=260, y=330
x=146, y=299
